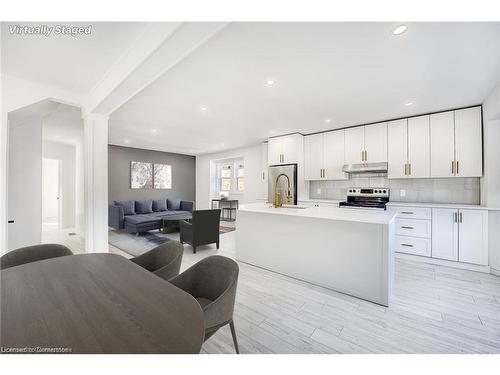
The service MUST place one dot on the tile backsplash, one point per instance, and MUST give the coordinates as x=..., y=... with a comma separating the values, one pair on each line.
x=425, y=190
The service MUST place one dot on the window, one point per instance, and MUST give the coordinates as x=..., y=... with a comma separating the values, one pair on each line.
x=225, y=178
x=240, y=179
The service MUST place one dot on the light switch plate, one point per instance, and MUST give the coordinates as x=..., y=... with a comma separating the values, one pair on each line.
x=402, y=193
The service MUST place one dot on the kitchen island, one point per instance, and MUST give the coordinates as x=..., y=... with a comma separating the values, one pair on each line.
x=347, y=250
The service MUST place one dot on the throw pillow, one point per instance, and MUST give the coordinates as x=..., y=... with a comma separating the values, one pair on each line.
x=174, y=204
x=159, y=205
x=144, y=207
x=128, y=207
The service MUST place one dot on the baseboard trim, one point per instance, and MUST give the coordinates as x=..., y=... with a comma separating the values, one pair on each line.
x=447, y=263
x=495, y=272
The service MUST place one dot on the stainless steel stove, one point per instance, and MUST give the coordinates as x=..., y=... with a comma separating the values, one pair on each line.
x=374, y=198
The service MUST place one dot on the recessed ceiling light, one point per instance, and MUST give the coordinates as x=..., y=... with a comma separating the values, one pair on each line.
x=328, y=120
x=400, y=29
x=203, y=107
x=58, y=136
x=126, y=141
x=408, y=104
x=270, y=82
x=154, y=131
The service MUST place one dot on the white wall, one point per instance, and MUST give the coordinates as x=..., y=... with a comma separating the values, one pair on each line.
x=206, y=164
x=490, y=183
x=67, y=154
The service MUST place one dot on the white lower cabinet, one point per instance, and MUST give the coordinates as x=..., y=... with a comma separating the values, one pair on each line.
x=456, y=234
x=460, y=235
x=444, y=233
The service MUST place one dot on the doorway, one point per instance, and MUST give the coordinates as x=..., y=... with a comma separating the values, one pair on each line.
x=51, y=195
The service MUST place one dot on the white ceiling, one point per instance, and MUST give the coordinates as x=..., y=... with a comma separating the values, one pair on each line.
x=351, y=73
x=72, y=63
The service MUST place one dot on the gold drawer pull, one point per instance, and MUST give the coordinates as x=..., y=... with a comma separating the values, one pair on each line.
x=407, y=227
x=407, y=212
x=407, y=245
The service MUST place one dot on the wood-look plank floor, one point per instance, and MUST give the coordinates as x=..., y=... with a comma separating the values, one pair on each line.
x=435, y=309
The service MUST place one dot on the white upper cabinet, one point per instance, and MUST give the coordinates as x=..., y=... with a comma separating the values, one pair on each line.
x=408, y=151
x=366, y=144
x=397, y=139
x=456, y=143
x=419, y=164
x=468, y=143
x=442, y=144
x=376, y=143
x=285, y=150
x=354, y=145
x=314, y=156
x=324, y=156
x=334, y=155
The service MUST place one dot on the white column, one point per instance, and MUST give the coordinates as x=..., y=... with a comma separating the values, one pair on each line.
x=95, y=140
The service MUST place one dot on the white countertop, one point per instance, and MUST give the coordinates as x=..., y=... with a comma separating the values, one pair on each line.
x=328, y=213
x=441, y=205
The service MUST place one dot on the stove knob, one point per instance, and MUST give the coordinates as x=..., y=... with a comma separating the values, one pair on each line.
x=385, y=191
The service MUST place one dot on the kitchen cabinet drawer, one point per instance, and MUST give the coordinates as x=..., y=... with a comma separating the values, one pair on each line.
x=413, y=227
x=413, y=212
x=413, y=245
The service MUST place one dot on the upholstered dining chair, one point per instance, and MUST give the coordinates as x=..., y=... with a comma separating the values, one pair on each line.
x=202, y=230
x=212, y=282
x=164, y=260
x=33, y=253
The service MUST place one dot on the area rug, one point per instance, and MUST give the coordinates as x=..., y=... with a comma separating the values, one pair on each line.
x=136, y=245
x=223, y=229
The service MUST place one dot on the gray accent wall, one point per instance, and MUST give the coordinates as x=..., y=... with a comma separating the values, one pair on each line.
x=119, y=158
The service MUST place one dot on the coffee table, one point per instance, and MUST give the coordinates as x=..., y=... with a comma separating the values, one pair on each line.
x=170, y=223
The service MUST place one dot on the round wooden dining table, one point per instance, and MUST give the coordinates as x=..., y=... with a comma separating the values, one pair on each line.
x=95, y=303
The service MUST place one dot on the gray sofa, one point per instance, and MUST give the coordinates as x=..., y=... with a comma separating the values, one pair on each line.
x=142, y=216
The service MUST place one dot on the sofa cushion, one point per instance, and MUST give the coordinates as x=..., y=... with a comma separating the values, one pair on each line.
x=159, y=205
x=174, y=204
x=141, y=219
x=128, y=207
x=144, y=207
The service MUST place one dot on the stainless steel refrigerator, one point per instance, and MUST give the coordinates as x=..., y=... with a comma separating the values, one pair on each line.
x=290, y=171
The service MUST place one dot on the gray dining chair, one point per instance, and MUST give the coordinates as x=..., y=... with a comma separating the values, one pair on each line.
x=33, y=253
x=203, y=229
x=164, y=260
x=212, y=282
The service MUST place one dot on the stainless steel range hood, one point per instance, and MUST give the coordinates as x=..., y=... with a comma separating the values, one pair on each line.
x=365, y=168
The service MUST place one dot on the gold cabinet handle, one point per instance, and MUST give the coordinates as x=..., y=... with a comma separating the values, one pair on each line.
x=366, y=155
x=406, y=244
x=407, y=212
x=405, y=169
x=452, y=167
x=455, y=220
x=457, y=166
x=362, y=155
x=409, y=169
x=405, y=227
x=460, y=215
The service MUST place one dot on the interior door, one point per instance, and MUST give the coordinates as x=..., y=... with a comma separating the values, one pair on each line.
x=445, y=233
x=376, y=143
x=397, y=151
x=419, y=152
x=468, y=142
x=313, y=156
x=442, y=130
x=24, y=203
x=354, y=144
x=472, y=236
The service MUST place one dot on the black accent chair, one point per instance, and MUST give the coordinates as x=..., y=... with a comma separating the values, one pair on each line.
x=33, y=253
x=202, y=230
x=212, y=282
x=164, y=260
